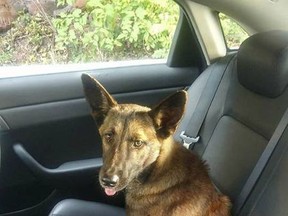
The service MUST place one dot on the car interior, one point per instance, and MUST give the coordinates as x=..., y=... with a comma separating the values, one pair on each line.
x=51, y=150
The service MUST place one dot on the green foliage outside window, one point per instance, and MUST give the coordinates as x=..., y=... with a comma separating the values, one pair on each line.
x=105, y=30
x=233, y=32
x=113, y=30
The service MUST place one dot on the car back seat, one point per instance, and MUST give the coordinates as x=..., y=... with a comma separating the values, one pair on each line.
x=244, y=113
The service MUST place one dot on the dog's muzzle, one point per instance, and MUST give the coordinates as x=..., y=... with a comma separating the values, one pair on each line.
x=111, y=181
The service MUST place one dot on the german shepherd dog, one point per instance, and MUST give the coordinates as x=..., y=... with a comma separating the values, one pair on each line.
x=159, y=175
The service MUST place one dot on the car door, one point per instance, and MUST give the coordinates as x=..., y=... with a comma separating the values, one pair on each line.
x=50, y=147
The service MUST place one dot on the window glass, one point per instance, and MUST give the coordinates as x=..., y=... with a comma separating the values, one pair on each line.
x=234, y=34
x=74, y=31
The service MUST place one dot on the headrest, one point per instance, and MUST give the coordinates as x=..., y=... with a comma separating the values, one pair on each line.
x=262, y=63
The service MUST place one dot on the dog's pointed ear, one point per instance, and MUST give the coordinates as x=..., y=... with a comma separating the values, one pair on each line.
x=98, y=98
x=168, y=113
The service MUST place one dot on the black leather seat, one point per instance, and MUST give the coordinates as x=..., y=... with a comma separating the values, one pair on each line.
x=245, y=111
x=73, y=207
x=243, y=115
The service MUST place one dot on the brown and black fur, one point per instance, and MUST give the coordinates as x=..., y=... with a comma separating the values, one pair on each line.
x=160, y=176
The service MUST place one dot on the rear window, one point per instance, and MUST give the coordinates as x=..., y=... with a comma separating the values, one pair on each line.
x=234, y=34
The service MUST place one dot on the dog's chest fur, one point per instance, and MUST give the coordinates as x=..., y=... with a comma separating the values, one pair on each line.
x=178, y=184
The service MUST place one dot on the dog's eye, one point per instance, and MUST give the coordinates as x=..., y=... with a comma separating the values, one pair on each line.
x=108, y=136
x=138, y=143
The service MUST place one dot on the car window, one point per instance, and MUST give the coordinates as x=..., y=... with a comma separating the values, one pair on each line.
x=76, y=31
x=234, y=34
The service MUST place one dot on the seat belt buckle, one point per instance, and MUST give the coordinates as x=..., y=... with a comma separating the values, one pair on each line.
x=188, y=141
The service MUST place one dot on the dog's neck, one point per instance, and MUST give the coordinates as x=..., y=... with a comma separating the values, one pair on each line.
x=161, y=175
x=160, y=165
x=145, y=174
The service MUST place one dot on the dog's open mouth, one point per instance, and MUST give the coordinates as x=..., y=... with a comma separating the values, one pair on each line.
x=112, y=185
x=110, y=191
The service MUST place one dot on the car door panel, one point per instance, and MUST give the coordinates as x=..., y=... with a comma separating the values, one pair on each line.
x=48, y=115
x=53, y=87
x=29, y=115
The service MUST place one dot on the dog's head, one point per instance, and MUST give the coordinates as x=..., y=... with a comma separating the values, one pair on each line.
x=132, y=135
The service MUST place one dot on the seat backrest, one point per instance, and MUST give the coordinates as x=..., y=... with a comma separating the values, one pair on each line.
x=245, y=111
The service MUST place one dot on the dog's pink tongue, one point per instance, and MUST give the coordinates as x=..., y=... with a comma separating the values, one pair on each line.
x=110, y=191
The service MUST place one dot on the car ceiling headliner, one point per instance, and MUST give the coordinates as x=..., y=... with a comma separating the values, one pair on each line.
x=254, y=15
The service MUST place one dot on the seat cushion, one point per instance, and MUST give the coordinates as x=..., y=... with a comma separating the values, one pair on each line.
x=74, y=207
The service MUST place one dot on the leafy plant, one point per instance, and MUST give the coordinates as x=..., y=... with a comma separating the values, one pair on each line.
x=113, y=30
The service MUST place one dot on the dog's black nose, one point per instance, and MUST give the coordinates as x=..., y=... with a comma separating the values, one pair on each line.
x=110, y=181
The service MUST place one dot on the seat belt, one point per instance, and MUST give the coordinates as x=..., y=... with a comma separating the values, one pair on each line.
x=190, y=135
x=261, y=164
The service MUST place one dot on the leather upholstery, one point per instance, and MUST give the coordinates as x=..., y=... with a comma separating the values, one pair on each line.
x=263, y=63
x=239, y=122
x=270, y=195
x=73, y=207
